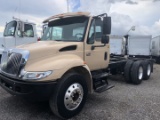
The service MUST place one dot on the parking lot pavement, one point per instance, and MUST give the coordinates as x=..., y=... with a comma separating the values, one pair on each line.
x=123, y=102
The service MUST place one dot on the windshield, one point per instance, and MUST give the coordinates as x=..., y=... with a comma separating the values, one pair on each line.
x=10, y=29
x=67, y=29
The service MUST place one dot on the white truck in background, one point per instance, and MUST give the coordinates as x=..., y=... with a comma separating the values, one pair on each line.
x=18, y=32
x=139, y=46
x=133, y=46
x=155, y=49
x=117, y=45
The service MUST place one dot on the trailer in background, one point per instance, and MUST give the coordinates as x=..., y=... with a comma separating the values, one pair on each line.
x=117, y=45
x=155, y=48
x=139, y=46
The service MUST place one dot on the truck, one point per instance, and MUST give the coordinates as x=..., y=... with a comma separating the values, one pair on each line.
x=155, y=48
x=118, y=45
x=18, y=32
x=71, y=60
x=139, y=46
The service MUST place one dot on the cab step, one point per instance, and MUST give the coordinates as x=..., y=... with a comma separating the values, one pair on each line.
x=100, y=75
x=103, y=88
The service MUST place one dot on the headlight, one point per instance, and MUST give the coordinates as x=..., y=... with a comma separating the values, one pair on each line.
x=35, y=75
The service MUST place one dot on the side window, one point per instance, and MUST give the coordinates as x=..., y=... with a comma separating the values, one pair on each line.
x=28, y=30
x=98, y=29
x=19, y=33
x=91, y=33
x=95, y=32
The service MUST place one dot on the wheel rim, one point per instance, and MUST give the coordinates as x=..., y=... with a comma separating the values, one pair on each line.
x=140, y=71
x=73, y=96
x=149, y=70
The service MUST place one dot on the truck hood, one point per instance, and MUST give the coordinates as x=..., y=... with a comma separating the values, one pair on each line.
x=47, y=48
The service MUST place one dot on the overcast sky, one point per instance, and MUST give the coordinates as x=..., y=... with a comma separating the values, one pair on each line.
x=144, y=14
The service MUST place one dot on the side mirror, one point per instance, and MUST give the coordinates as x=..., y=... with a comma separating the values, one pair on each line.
x=105, y=39
x=106, y=25
x=21, y=28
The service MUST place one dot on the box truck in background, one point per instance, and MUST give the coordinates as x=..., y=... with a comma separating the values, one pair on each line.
x=117, y=45
x=155, y=48
x=139, y=46
x=133, y=46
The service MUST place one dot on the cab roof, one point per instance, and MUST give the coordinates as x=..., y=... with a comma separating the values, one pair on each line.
x=64, y=15
x=28, y=22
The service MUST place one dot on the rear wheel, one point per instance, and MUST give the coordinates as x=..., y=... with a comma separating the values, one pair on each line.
x=69, y=96
x=127, y=71
x=158, y=60
x=137, y=72
x=147, y=67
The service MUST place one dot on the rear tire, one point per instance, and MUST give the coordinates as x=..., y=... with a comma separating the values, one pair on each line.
x=147, y=67
x=158, y=60
x=127, y=71
x=137, y=72
x=69, y=96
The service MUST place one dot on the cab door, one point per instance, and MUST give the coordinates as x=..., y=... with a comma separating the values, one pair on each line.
x=9, y=35
x=96, y=53
x=29, y=35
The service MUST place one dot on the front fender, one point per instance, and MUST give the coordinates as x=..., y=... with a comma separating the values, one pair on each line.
x=58, y=64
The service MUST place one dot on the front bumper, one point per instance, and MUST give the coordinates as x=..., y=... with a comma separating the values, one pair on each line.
x=29, y=90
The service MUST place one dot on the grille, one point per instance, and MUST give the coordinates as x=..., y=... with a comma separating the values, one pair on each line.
x=10, y=63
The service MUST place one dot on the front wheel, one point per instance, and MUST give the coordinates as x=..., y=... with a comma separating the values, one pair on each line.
x=70, y=96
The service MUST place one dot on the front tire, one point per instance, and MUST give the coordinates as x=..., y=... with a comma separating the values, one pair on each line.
x=158, y=60
x=70, y=96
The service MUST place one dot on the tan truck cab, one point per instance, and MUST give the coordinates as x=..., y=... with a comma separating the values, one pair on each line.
x=58, y=68
x=72, y=59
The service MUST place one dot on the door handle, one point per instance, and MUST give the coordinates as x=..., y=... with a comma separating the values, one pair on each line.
x=105, y=56
x=88, y=54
